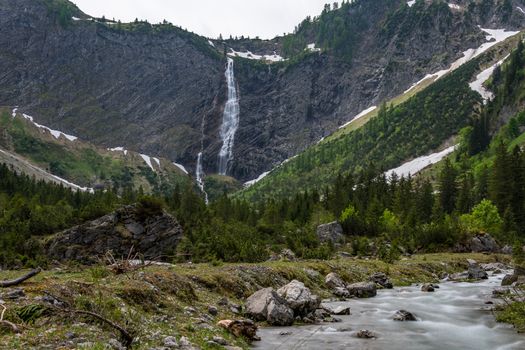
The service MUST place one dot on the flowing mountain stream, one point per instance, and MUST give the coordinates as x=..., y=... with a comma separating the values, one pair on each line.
x=455, y=316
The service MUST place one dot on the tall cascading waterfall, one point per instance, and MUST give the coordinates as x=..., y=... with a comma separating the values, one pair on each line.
x=230, y=120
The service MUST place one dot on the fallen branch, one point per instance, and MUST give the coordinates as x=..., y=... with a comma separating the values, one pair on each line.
x=126, y=336
x=5, y=284
x=8, y=324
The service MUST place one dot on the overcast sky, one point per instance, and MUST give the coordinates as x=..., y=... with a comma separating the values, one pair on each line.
x=263, y=18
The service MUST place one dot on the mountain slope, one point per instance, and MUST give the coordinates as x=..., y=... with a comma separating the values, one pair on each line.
x=53, y=156
x=421, y=124
x=160, y=90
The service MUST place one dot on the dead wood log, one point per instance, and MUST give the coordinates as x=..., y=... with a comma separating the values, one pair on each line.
x=5, y=284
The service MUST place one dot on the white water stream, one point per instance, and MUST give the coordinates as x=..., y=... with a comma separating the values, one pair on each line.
x=453, y=317
x=199, y=175
x=230, y=120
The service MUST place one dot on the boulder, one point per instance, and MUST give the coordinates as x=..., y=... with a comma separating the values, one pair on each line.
x=341, y=292
x=336, y=309
x=150, y=232
x=480, y=243
x=365, y=334
x=333, y=281
x=331, y=232
x=403, y=315
x=362, y=289
x=171, y=342
x=299, y=298
x=484, y=242
x=381, y=279
x=267, y=305
x=279, y=314
x=506, y=250
x=427, y=287
x=475, y=271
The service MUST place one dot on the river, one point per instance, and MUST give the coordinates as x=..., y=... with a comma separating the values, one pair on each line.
x=455, y=316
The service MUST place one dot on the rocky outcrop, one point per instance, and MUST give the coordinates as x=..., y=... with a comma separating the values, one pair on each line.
x=151, y=234
x=480, y=243
x=331, y=232
x=299, y=298
x=267, y=305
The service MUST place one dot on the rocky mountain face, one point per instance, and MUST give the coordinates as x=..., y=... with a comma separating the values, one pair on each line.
x=161, y=90
x=135, y=229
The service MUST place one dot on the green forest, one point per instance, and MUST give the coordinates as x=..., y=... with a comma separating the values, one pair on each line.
x=480, y=188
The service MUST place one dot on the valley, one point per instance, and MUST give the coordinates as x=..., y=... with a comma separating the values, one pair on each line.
x=356, y=182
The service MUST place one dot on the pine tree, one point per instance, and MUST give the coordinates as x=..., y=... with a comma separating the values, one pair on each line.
x=448, y=187
x=500, y=181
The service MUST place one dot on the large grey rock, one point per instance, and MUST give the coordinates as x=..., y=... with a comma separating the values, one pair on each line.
x=509, y=280
x=484, y=243
x=279, y=314
x=475, y=271
x=331, y=232
x=267, y=305
x=480, y=243
x=299, y=298
x=334, y=281
x=153, y=235
x=362, y=289
x=341, y=292
x=381, y=279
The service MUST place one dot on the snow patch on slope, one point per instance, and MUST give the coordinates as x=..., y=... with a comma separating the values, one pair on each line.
x=181, y=167
x=520, y=10
x=416, y=165
x=147, y=160
x=119, y=149
x=455, y=7
x=411, y=3
x=481, y=78
x=494, y=36
x=253, y=182
x=360, y=115
x=55, y=133
x=251, y=56
x=311, y=47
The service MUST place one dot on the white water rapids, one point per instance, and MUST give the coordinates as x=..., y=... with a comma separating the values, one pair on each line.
x=453, y=317
x=230, y=120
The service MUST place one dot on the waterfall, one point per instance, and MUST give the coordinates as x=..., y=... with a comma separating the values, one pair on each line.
x=230, y=121
x=199, y=175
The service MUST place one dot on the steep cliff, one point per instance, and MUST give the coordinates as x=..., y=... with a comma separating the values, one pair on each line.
x=161, y=90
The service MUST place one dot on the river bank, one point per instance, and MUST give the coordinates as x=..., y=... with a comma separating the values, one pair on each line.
x=181, y=304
